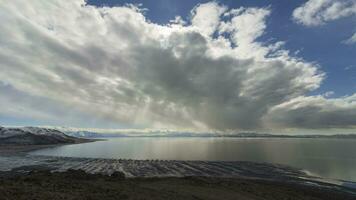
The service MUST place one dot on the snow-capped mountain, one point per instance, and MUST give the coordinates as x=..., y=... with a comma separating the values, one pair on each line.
x=85, y=134
x=35, y=135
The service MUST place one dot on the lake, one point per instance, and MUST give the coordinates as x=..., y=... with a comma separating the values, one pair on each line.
x=330, y=158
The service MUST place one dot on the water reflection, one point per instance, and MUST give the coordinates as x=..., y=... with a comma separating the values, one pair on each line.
x=332, y=158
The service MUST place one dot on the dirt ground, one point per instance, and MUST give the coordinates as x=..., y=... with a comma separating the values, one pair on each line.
x=80, y=185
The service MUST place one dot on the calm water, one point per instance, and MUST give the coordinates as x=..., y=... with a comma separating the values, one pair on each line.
x=331, y=158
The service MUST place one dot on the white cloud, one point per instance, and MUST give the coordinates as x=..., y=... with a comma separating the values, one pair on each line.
x=351, y=40
x=206, y=17
x=319, y=12
x=115, y=65
x=328, y=94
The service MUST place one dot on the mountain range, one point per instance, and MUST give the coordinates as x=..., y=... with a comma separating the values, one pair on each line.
x=35, y=136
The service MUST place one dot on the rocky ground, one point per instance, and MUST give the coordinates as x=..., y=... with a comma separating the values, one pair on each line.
x=76, y=184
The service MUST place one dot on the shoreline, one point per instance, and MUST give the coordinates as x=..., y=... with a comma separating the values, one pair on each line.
x=18, y=149
x=21, y=163
x=23, y=149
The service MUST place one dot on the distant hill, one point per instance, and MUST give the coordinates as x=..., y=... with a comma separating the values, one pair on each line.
x=84, y=134
x=35, y=136
x=265, y=135
x=91, y=134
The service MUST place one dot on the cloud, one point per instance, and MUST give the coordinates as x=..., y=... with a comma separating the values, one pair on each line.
x=319, y=12
x=351, y=40
x=114, y=65
x=314, y=112
x=206, y=17
x=18, y=105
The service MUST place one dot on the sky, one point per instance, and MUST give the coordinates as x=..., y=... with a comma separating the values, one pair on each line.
x=181, y=65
